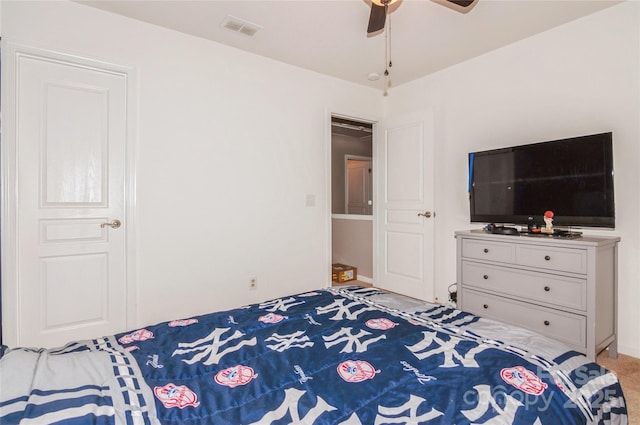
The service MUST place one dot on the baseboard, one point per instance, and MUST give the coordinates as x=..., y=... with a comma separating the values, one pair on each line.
x=629, y=351
x=365, y=279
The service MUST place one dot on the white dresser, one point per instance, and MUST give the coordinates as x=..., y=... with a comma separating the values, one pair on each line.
x=563, y=288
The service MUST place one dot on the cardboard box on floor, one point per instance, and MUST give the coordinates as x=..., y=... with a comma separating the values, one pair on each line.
x=343, y=273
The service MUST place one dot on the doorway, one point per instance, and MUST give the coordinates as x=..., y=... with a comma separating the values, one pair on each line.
x=403, y=231
x=352, y=173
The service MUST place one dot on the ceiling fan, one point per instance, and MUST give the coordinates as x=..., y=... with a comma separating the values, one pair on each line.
x=379, y=9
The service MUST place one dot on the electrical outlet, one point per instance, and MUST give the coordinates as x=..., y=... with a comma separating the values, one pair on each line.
x=253, y=283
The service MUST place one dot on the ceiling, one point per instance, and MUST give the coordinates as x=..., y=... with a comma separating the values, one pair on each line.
x=329, y=36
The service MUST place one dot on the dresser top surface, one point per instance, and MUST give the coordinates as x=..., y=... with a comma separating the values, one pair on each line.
x=585, y=240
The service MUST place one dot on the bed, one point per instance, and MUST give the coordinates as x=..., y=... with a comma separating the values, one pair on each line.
x=347, y=355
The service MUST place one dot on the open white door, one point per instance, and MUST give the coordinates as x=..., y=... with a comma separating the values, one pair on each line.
x=405, y=214
x=70, y=257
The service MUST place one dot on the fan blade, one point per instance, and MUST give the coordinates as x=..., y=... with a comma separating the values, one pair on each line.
x=462, y=6
x=377, y=18
x=462, y=3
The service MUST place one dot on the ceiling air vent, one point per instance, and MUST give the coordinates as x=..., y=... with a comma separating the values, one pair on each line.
x=240, y=26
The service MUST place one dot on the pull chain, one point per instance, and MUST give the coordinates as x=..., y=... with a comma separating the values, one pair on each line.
x=387, y=54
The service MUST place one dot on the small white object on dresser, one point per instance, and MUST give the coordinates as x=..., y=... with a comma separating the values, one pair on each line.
x=563, y=288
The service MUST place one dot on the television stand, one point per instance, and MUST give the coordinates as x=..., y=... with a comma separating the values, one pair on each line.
x=563, y=288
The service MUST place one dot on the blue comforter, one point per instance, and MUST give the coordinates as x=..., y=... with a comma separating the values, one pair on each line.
x=323, y=357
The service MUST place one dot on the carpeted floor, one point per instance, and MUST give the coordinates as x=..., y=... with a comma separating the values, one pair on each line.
x=627, y=369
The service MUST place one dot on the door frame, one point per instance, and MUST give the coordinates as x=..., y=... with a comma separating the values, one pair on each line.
x=10, y=52
x=365, y=118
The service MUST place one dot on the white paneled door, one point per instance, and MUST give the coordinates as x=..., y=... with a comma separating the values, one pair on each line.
x=70, y=150
x=405, y=215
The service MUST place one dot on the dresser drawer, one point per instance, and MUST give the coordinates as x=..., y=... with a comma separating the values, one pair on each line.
x=491, y=251
x=550, y=258
x=567, y=327
x=548, y=289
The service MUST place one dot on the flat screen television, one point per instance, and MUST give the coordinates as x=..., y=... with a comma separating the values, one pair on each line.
x=571, y=177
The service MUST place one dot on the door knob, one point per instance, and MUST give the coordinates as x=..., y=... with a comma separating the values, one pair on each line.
x=426, y=214
x=114, y=224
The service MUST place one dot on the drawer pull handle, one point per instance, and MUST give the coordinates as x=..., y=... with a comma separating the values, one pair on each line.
x=547, y=323
x=486, y=306
x=546, y=257
x=486, y=250
x=547, y=289
x=485, y=277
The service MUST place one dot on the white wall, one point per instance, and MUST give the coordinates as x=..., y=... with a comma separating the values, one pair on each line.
x=229, y=145
x=352, y=244
x=577, y=79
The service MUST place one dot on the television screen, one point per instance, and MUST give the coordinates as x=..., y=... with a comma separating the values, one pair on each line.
x=571, y=177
